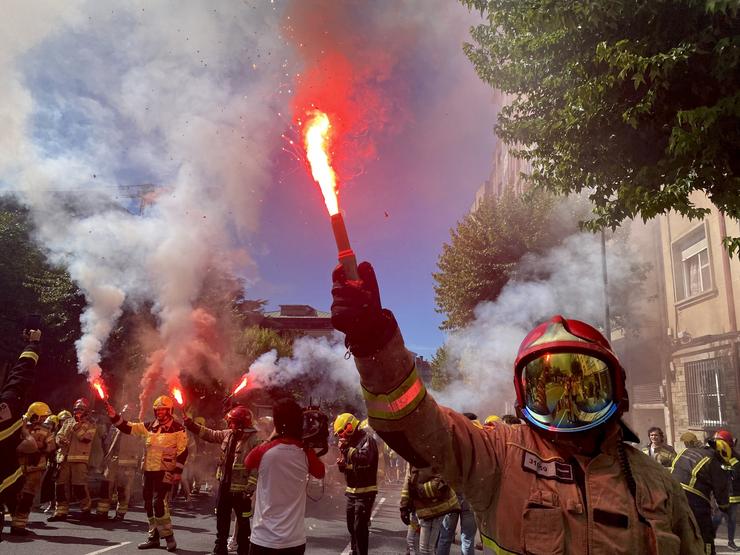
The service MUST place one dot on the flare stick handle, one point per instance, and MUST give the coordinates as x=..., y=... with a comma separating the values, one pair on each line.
x=345, y=253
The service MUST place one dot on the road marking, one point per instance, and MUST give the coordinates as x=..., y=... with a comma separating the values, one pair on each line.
x=108, y=548
x=348, y=549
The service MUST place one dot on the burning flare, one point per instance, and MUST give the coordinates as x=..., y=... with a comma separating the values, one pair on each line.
x=98, y=386
x=242, y=385
x=177, y=394
x=317, y=138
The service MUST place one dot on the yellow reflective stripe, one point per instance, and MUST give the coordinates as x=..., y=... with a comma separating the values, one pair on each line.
x=238, y=487
x=252, y=480
x=734, y=499
x=681, y=452
x=733, y=461
x=696, y=469
x=29, y=354
x=351, y=453
x=7, y=432
x=10, y=480
x=238, y=467
x=439, y=508
x=496, y=548
x=428, y=490
x=399, y=402
x=695, y=492
x=247, y=514
x=366, y=489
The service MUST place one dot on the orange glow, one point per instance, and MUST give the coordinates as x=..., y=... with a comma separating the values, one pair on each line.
x=316, y=138
x=99, y=388
x=242, y=385
x=177, y=394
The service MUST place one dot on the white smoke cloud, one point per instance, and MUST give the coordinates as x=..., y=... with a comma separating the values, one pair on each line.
x=99, y=94
x=485, y=350
x=321, y=361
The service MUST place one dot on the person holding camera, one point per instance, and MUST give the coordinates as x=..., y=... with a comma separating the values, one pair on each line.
x=284, y=464
x=12, y=402
x=236, y=483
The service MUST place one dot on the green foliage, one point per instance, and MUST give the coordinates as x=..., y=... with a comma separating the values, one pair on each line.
x=31, y=285
x=255, y=341
x=441, y=377
x=636, y=102
x=486, y=246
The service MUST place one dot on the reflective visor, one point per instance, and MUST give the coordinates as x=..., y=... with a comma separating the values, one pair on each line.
x=567, y=392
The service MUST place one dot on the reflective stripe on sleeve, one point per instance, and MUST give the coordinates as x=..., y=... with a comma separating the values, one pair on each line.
x=496, y=548
x=7, y=432
x=695, y=472
x=10, y=480
x=673, y=465
x=399, y=402
x=695, y=492
x=29, y=354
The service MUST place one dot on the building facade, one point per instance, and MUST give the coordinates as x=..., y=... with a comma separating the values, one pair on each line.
x=702, y=285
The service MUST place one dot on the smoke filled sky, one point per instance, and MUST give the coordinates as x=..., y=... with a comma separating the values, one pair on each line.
x=407, y=179
x=194, y=97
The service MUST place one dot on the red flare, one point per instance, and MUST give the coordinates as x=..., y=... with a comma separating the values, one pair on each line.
x=177, y=394
x=98, y=385
x=242, y=385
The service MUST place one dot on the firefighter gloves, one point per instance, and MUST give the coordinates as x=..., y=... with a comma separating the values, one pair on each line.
x=356, y=311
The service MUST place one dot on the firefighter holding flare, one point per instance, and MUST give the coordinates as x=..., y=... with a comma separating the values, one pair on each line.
x=567, y=481
x=164, y=459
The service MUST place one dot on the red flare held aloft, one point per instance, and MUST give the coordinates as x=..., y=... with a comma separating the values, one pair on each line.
x=177, y=394
x=345, y=253
x=98, y=386
x=242, y=385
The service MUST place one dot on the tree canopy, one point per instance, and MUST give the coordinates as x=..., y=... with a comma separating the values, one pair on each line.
x=635, y=101
x=486, y=246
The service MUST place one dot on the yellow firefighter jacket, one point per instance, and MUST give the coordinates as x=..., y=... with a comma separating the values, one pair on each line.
x=80, y=439
x=44, y=438
x=242, y=480
x=124, y=451
x=165, y=447
x=528, y=494
x=426, y=493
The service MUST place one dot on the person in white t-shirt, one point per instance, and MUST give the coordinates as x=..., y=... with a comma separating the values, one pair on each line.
x=280, y=501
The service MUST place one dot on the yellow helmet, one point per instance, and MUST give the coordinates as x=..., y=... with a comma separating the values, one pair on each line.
x=345, y=424
x=199, y=420
x=164, y=402
x=37, y=412
x=52, y=422
x=491, y=420
x=63, y=415
x=723, y=448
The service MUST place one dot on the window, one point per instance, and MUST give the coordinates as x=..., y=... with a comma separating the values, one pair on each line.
x=692, y=273
x=708, y=385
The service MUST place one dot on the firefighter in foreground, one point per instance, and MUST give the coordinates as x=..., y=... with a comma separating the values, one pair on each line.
x=164, y=458
x=12, y=400
x=358, y=461
x=236, y=484
x=121, y=462
x=75, y=442
x=700, y=473
x=566, y=482
x=34, y=451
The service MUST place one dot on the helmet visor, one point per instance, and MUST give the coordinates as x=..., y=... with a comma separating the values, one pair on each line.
x=567, y=392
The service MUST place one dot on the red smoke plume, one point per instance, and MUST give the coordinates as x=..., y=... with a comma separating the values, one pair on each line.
x=348, y=74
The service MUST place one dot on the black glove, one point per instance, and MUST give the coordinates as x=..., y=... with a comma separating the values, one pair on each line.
x=406, y=515
x=356, y=311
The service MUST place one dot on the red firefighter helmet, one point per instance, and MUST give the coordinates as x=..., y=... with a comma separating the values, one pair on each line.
x=240, y=416
x=725, y=436
x=567, y=378
x=81, y=406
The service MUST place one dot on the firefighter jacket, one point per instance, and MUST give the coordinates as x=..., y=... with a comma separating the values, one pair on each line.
x=63, y=439
x=359, y=463
x=45, y=444
x=699, y=471
x=12, y=406
x=529, y=495
x=426, y=493
x=662, y=454
x=124, y=450
x=80, y=436
x=165, y=446
x=231, y=463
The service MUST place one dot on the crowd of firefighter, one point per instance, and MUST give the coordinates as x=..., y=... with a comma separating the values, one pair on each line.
x=563, y=476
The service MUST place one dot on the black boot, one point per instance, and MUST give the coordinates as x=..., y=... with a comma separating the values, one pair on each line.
x=152, y=542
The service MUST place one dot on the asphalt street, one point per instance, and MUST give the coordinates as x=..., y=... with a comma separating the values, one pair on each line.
x=195, y=529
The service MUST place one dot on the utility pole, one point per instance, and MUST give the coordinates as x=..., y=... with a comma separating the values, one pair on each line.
x=607, y=317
